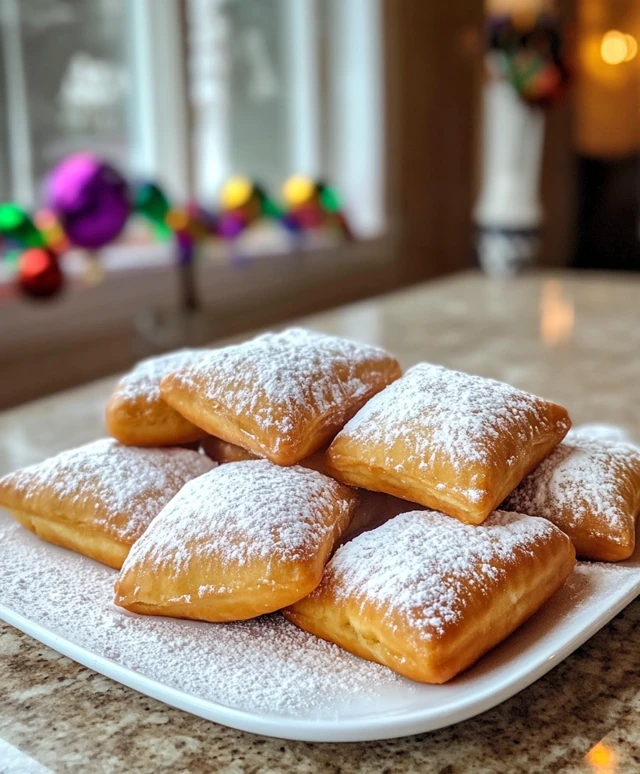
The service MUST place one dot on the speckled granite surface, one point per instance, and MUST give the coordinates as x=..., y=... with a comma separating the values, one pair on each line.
x=573, y=339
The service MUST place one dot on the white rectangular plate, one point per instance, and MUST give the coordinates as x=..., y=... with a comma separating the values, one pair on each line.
x=268, y=677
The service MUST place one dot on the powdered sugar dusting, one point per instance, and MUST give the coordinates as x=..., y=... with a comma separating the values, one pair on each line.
x=263, y=665
x=143, y=381
x=584, y=477
x=122, y=487
x=448, y=417
x=242, y=512
x=278, y=379
x=421, y=563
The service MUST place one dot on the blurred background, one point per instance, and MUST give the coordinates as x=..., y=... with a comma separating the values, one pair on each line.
x=254, y=160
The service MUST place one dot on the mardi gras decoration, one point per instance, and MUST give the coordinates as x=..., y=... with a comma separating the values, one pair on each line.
x=529, y=53
x=88, y=204
x=39, y=273
x=313, y=205
x=90, y=199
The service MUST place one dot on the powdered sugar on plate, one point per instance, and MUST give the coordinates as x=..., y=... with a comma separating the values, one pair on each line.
x=121, y=487
x=262, y=665
x=281, y=380
x=420, y=564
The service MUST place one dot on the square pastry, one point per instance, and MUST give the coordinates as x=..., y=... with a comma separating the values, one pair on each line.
x=590, y=489
x=98, y=499
x=427, y=595
x=281, y=395
x=247, y=538
x=136, y=413
x=447, y=440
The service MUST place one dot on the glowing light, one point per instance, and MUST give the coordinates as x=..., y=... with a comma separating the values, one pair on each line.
x=602, y=758
x=556, y=315
x=236, y=192
x=298, y=190
x=617, y=47
x=34, y=262
x=632, y=47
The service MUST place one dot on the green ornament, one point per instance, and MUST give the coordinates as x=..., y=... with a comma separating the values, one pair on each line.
x=270, y=209
x=150, y=202
x=16, y=226
x=329, y=199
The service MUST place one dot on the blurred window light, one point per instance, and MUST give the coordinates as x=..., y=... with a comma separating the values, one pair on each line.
x=618, y=47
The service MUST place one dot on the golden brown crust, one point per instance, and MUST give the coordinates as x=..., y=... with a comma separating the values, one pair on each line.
x=79, y=538
x=98, y=499
x=282, y=396
x=449, y=441
x=429, y=608
x=137, y=415
x=590, y=489
x=244, y=540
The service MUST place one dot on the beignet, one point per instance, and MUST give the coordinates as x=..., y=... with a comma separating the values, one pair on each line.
x=98, y=499
x=137, y=415
x=447, y=440
x=245, y=539
x=590, y=489
x=282, y=396
x=427, y=595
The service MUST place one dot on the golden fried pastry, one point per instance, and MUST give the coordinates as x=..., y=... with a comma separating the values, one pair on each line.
x=282, y=396
x=245, y=539
x=136, y=413
x=427, y=595
x=99, y=498
x=447, y=440
x=222, y=452
x=590, y=489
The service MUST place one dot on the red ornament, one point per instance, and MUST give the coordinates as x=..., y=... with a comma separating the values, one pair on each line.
x=39, y=273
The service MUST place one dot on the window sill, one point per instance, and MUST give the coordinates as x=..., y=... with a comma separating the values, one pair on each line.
x=263, y=290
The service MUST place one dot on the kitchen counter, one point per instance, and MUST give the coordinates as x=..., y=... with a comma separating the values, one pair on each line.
x=572, y=338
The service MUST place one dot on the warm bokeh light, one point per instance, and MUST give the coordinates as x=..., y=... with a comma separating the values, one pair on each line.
x=556, y=314
x=617, y=47
x=236, y=192
x=177, y=219
x=298, y=190
x=602, y=758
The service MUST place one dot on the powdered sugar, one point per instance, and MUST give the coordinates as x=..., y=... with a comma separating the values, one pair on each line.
x=420, y=564
x=448, y=417
x=143, y=381
x=584, y=477
x=122, y=487
x=279, y=379
x=263, y=665
x=244, y=512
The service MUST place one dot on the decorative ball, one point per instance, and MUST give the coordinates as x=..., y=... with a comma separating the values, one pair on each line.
x=39, y=273
x=90, y=199
x=17, y=227
x=231, y=225
x=236, y=193
x=298, y=191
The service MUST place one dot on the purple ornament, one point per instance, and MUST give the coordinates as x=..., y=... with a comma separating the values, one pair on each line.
x=231, y=225
x=90, y=198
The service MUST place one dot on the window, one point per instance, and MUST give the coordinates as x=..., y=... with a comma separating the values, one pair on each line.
x=188, y=92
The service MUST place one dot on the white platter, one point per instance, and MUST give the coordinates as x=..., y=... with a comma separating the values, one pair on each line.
x=267, y=677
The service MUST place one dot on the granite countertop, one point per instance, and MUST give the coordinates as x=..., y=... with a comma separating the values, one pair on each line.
x=572, y=338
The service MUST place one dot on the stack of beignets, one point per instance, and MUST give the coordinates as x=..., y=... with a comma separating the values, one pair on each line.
x=295, y=419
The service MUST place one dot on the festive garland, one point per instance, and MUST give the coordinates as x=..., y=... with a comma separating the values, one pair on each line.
x=89, y=203
x=529, y=51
